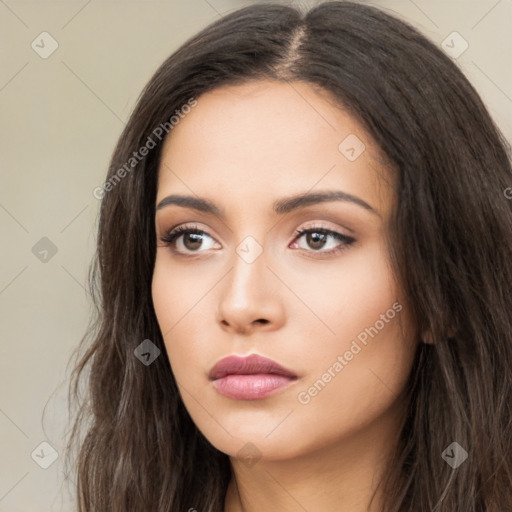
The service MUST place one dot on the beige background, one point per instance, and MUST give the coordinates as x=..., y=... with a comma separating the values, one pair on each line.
x=60, y=118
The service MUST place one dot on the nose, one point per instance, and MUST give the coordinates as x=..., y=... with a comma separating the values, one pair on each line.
x=250, y=298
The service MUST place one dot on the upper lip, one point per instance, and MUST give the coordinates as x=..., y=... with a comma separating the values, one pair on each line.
x=249, y=365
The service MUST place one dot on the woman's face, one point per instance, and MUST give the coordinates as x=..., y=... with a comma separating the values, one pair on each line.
x=324, y=305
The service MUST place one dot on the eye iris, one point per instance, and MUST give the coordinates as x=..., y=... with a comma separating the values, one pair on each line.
x=196, y=240
x=316, y=240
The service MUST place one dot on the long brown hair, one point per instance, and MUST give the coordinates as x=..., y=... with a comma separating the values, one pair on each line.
x=450, y=241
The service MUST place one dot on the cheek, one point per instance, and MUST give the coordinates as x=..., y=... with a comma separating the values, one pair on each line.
x=176, y=302
x=165, y=297
x=358, y=382
x=177, y=291
x=363, y=367
x=350, y=295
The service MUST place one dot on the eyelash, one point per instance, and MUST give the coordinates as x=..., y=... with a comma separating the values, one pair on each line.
x=172, y=235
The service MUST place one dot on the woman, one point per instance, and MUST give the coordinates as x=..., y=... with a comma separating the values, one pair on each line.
x=303, y=279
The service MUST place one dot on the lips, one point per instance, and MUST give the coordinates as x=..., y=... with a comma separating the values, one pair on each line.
x=250, y=378
x=250, y=365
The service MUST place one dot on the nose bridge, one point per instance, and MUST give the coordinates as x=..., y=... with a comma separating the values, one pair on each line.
x=249, y=268
x=248, y=295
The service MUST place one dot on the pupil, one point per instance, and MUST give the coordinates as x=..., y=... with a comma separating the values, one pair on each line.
x=195, y=238
x=316, y=240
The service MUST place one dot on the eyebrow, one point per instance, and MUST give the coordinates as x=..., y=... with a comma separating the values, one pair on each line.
x=280, y=207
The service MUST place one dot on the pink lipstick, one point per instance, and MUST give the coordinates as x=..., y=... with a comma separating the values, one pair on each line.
x=249, y=378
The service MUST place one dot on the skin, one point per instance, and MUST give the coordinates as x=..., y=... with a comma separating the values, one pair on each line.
x=243, y=147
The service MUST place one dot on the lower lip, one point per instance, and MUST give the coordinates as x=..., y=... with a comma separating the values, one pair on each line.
x=251, y=387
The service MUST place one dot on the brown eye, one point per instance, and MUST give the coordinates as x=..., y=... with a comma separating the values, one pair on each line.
x=317, y=238
x=186, y=239
x=192, y=241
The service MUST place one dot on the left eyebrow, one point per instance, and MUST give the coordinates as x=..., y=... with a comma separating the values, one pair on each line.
x=280, y=207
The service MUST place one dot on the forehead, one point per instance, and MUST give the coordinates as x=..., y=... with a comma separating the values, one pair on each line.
x=263, y=140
